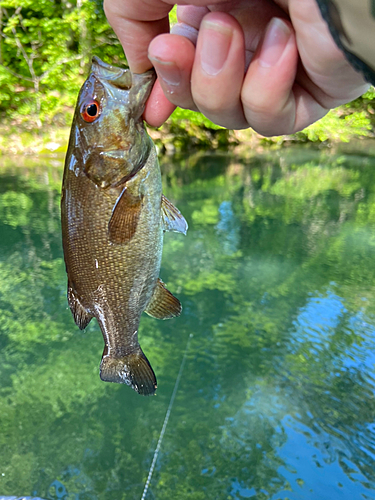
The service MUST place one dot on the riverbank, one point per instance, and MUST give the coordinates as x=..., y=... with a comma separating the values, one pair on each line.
x=185, y=134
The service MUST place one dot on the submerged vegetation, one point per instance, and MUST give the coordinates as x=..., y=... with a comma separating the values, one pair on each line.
x=45, y=50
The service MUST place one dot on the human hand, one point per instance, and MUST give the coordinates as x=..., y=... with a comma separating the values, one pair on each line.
x=272, y=66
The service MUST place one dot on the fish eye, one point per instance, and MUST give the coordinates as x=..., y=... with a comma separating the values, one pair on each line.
x=90, y=111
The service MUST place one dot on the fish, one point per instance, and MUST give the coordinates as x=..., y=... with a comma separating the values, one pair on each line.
x=113, y=217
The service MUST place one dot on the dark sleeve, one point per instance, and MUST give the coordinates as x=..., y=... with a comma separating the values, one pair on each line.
x=352, y=25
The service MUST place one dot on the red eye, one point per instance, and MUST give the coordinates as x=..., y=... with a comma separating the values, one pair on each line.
x=90, y=111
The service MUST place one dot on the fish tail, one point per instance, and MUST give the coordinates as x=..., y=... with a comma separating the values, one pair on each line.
x=133, y=369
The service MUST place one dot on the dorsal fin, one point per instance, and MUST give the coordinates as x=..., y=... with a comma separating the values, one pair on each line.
x=172, y=218
x=125, y=215
x=163, y=305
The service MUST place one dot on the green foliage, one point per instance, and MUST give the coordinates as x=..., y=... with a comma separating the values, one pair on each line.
x=348, y=122
x=338, y=126
x=173, y=16
x=44, y=55
x=45, y=49
x=186, y=116
x=187, y=128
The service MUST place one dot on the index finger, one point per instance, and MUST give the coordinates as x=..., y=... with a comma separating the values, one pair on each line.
x=136, y=24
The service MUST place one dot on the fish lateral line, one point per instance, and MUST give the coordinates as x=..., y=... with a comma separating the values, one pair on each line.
x=112, y=195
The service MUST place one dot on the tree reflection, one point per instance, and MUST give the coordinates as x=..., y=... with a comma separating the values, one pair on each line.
x=276, y=277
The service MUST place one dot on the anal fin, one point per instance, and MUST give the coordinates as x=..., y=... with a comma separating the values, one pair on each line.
x=125, y=216
x=80, y=315
x=163, y=305
x=172, y=218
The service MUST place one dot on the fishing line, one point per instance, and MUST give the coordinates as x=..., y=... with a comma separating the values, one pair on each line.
x=165, y=423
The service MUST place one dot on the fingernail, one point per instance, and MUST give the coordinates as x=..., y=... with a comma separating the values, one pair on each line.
x=167, y=71
x=274, y=43
x=216, y=40
x=185, y=30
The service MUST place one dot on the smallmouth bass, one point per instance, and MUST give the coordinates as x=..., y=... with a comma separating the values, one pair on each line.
x=113, y=216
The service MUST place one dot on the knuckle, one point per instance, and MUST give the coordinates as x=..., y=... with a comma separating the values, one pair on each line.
x=259, y=106
x=269, y=117
x=212, y=103
x=269, y=125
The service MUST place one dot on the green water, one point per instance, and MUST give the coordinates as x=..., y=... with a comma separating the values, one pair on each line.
x=276, y=399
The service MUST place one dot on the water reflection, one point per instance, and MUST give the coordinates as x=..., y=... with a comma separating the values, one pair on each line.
x=276, y=277
x=228, y=228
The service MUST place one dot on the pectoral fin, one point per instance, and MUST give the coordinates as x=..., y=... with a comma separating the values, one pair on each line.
x=125, y=216
x=80, y=315
x=163, y=305
x=173, y=220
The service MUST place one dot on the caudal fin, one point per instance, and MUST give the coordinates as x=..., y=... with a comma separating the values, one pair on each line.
x=133, y=369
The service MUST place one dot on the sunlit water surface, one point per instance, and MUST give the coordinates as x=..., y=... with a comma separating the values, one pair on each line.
x=276, y=399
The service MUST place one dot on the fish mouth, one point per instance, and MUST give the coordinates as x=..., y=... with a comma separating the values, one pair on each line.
x=116, y=153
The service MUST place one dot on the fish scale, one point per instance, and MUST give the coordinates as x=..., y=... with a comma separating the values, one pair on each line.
x=113, y=219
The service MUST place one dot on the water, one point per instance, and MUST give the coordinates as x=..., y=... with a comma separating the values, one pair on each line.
x=276, y=400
